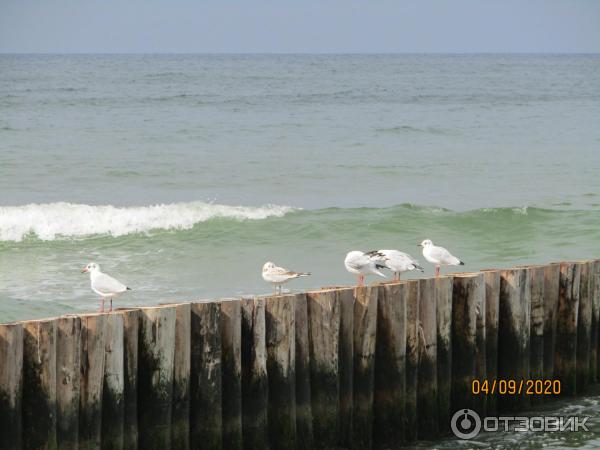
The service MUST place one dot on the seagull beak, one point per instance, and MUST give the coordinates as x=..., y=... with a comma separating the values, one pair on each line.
x=84, y=270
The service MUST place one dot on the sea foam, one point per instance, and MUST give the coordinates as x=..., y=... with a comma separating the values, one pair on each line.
x=67, y=220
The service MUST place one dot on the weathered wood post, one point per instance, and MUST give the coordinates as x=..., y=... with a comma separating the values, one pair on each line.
x=39, y=384
x=536, y=342
x=390, y=355
x=231, y=369
x=443, y=299
x=156, y=351
x=324, y=337
x=596, y=318
x=255, y=386
x=468, y=292
x=565, y=358
x=68, y=354
x=480, y=401
x=595, y=327
x=11, y=385
x=551, y=290
x=180, y=415
x=91, y=380
x=365, y=333
x=491, y=278
x=413, y=342
x=514, y=336
x=304, y=428
x=114, y=383
x=131, y=320
x=346, y=299
x=427, y=395
x=279, y=315
x=206, y=421
x=584, y=325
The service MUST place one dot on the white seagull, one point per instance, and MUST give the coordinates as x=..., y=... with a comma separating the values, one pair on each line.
x=104, y=285
x=361, y=264
x=399, y=262
x=439, y=256
x=278, y=276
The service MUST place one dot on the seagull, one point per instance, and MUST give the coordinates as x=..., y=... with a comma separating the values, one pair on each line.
x=399, y=262
x=361, y=264
x=104, y=285
x=439, y=256
x=278, y=276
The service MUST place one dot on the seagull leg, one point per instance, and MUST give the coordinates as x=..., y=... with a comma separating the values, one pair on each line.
x=101, y=304
x=361, y=279
x=111, y=304
x=437, y=271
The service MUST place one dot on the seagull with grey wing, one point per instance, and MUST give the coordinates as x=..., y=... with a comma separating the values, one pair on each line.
x=399, y=262
x=104, y=285
x=363, y=264
x=439, y=256
x=278, y=276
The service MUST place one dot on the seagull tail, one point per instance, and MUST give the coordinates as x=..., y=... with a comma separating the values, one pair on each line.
x=378, y=272
x=418, y=267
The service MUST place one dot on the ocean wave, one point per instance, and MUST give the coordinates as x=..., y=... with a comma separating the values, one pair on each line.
x=67, y=220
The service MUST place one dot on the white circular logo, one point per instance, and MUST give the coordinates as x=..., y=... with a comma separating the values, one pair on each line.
x=465, y=424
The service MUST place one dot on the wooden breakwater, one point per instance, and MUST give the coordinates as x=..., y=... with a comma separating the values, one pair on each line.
x=367, y=367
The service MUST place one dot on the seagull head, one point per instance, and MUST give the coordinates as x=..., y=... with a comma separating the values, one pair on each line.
x=91, y=267
x=425, y=243
x=268, y=265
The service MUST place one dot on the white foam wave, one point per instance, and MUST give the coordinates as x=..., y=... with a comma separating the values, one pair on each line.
x=67, y=220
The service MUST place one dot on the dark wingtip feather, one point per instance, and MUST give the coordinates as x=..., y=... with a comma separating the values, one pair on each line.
x=129, y=289
x=462, y=263
x=381, y=266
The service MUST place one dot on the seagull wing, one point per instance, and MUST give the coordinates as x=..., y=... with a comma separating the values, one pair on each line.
x=106, y=284
x=444, y=256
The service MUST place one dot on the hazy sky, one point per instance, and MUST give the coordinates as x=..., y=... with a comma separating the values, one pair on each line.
x=240, y=26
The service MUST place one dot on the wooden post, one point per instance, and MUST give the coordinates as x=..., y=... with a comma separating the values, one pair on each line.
x=427, y=395
x=303, y=400
x=346, y=298
x=11, y=385
x=514, y=336
x=155, y=376
x=468, y=292
x=480, y=401
x=584, y=325
x=390, y=355
x=443, y=300
x=114, y=381
x=254, y=376
x=91, y=380
x=411, y=423
x=68, y=354
x=492, y=307
x=231, y=367
x=365, y=332
x=596, y=317
x=551, y=288
x=131, y=319
x=565, y=358
x=206, y=391
x=180, y=415
x=536, y=343
x=39, y=384
x=324, y=335
x=595, y=326
x=281, y=362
